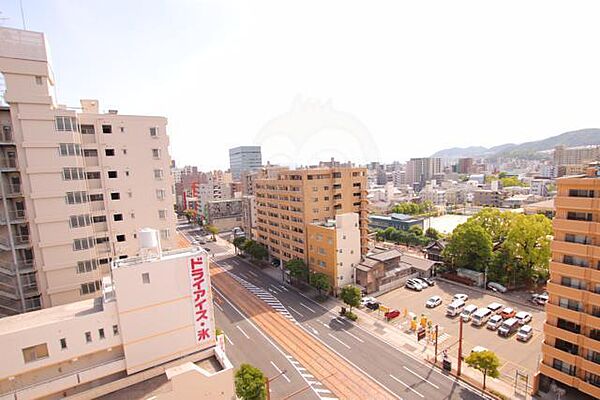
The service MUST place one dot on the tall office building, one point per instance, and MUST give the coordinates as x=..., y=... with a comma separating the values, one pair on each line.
x=74, y=186
x=288, y=200
x=244, y=159
x=571, y=348
x=420, y=170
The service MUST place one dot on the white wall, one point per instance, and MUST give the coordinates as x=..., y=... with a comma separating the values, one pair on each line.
x=348, y=241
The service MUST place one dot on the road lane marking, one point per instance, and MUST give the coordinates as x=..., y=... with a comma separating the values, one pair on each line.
x=339, y=341
x=229, y=340
x=422, y=378
x=243, y=333
x=294, y=310
x=353, y=336
x=316, y=332
x=284, y=288
x=275, y=289
x=325, y=391
x=307, y=307
x=252, y=273
x=219, y=307
x=280, y=371
x=406, y=386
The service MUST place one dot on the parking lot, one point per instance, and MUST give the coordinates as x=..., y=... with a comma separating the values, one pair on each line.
x=513, y=354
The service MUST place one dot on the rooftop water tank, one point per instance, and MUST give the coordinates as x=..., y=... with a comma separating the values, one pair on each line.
x=148, y=238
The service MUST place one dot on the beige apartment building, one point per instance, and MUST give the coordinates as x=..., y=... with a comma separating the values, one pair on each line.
x=287, y=201
x=76, y=184
x=571, y=347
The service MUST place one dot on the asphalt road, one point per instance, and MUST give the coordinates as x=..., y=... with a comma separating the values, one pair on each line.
x=400, y=373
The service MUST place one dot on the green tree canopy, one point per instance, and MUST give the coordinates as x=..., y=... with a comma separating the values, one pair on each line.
x=470, y=246
x=320, y=282
x=255, y=250
x=432, y=233
x=416, y=230
x=189, y=214
x=297, y=268
x=495, y=222
x=250, y=383
x=412, y=208
x=351, y=295
x=485, y=361
x=239, y=242
x=213, y=230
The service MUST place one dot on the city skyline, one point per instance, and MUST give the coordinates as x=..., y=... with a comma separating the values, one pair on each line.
x=434, y=91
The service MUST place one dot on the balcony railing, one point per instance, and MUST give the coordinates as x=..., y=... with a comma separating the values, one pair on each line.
x=8, y=162
x=13, y=216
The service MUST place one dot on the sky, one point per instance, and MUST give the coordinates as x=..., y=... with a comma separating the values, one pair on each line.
x=359, y=81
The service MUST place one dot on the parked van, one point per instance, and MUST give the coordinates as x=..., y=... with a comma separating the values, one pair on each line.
x=467, y=312
x=481, y=316
x=455, y=308
x=509, y=327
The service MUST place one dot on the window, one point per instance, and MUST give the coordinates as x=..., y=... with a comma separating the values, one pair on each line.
x=165, y=234
x=101, y=333
x=78, y=221
x=146, y=278
x=109, y=152
x=117, y=217
x=115, y=196
x=132, y=215
x=120, y=238
x=34, y=353
x=162, y=214
x=76, y=197
x=581, y=193
x=579, y=216
x=88, y=130
x=126, y=173
x=160, y=194
x=90, y=153
x=83, y=243
x=564, y=367
x=73, y=174
x=570, y=304
x=99, y=218
x=112, y=174
x=90, y=287
x=158, y=174
x=66, y=124
x=69, y=149
x=115, y=330
x=102, y=240
x=106, y=128
x=38, y=80
x=321, y=250
x=154, y=132
x=322, y=264
x=97, y=197
x=88, y=337
x=86, y=266
x=156, y=154
x=124, y=151
x=122, y=129
x=63, y=343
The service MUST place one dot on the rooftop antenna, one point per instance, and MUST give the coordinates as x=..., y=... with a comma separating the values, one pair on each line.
x=22, y=14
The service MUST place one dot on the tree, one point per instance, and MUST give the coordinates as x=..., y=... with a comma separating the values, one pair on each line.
x=239, y=242
x=189, y=214
x=432, y=233
x=495, y=222
x=351, y=295
x=320, y=282
x=416, y=230
x=470, y=246
x=485, y=361
x=213, y=230
x=255, y=250
x=250, y=383
x=511, y=181
x=297, y=268
x=528, y=244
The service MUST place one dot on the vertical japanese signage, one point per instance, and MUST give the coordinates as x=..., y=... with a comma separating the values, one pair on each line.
x=200, y=287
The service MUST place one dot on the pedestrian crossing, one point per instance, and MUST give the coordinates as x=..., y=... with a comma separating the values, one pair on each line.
x=443, y=337
x=266, y=296
x=321, y=391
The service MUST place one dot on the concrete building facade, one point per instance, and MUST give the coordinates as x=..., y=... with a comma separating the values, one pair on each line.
x=75, y=186
x=244, y=159
x=571, y=347
x=420, y=170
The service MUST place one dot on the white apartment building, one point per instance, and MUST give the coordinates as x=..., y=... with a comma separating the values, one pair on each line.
x=154, y=318
x=76, y=185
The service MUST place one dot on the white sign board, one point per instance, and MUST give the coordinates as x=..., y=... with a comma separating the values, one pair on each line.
x=202, y=307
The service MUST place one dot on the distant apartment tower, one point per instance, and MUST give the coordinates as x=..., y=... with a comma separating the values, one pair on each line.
x=465, y=166
x=575, y=155
x=420, y=170
x=243, y=159
x=288, y=200
x=74, y=187
x=571, y=347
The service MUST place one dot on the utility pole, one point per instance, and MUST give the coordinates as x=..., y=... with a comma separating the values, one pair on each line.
x=460, y=338
x=268, y=383
x=436, y=343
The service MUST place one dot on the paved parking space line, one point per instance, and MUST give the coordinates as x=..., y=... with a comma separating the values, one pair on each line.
x=420, y=377
x=406, y=386
x=229, y=340
x=294, y=310
x=218, y=306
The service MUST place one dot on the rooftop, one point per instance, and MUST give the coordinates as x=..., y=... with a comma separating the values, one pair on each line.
x=166, y=255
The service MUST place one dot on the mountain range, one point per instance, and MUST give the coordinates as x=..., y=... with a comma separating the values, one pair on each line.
x=582, y=137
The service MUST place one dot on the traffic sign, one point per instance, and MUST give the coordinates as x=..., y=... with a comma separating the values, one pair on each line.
x=420, y=334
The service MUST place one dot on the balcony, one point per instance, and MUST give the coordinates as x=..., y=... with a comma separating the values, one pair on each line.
x=88, y=139
x=566, y=291
x=91, y=161
x=565, y=313
x=589, y=366
x=590, y=344
x=97, y=206
x=8, y=163
x=558, y=375
x=572, y=271
x=559, y=354
x=573, y=226
x=12, y=190
x=576, y=249
x=576, y=203
x=564, y=334
x=6, y=135
x=94, y=183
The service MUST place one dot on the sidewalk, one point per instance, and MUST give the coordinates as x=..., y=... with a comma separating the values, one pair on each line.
x=405, y=341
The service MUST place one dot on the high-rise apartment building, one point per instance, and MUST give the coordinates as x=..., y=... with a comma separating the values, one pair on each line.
x=420, y=170
x=75, y=186
x=244, y=159
x=571, y=348
x=575, y=155
x=288, y=200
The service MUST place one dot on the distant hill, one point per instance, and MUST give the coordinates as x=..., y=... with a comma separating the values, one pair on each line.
x=582, y=137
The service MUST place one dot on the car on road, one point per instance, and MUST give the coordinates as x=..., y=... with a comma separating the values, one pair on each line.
x=429, y=281
x=494, y=322
x=540, y=299
x=392, y=314
x=461, y=296
x=496, y=308
x=207, y=249
x=496, y=287
x=525, y=333
x=414, y=285
x=468, y=312
x=433, y=302
x=373, y=305
x=523, y=317
x=508, y=312
x=508, y=327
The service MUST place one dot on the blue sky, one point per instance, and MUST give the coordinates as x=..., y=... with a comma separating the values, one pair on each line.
x=309, y=80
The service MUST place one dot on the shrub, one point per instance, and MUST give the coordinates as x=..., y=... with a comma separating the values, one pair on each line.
x=351, y=316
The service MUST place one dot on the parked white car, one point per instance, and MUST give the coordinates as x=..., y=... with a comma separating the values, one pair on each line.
x=367, y=299
x=523, y=317
x=494, y=322
x=414, y=285
x=460, y=296
x=496, y=308
x=433, y=302
x=525, y=333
